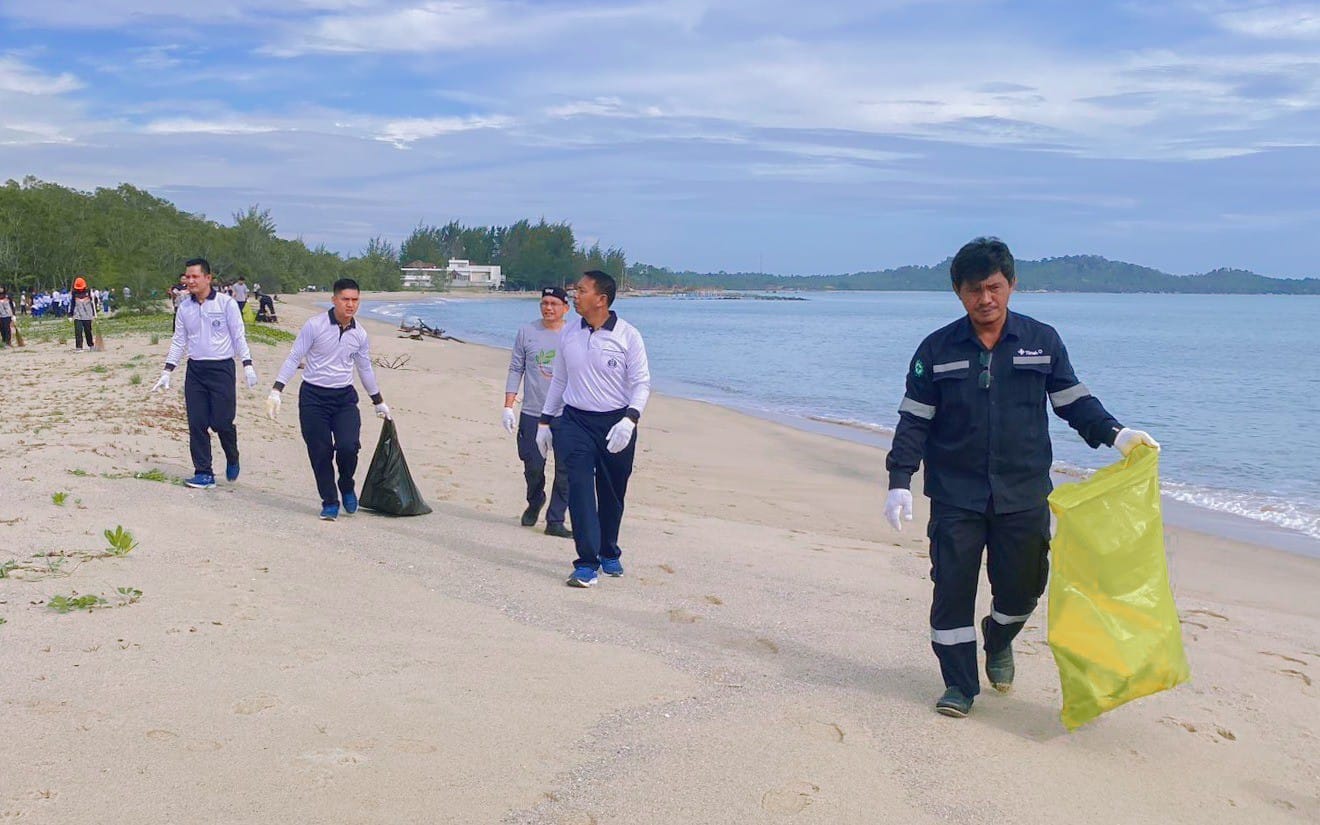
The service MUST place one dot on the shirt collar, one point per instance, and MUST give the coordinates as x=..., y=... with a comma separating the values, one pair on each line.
x=1012, y=328
x=330, y=313
x=210, y=297
x=609, y=324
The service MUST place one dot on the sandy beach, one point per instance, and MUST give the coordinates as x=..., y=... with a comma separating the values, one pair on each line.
x=765, y=659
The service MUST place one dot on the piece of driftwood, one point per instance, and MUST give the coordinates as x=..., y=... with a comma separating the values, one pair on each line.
x=419, y=329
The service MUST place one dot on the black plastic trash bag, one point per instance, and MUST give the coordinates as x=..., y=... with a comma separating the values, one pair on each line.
x=389, y=486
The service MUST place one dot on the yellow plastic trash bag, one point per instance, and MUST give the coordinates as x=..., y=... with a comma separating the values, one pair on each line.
x=250, y=313
x=1113, y=625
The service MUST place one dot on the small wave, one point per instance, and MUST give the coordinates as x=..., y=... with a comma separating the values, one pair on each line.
x=854, y=424
x=1256, y=506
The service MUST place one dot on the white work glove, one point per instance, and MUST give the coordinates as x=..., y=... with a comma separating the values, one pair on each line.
x=898, y=507
x=162, y=383
x=1127, y=440
x=273, y=402
x=383, y=411
x=509, y=420
x=617, y=439
x=250, y=373
x=544, y=440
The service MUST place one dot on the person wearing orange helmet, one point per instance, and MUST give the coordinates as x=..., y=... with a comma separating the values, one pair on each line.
x=82, y=310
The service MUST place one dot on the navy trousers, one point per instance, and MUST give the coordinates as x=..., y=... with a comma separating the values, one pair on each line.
x=534, y=472
x=597, y=481
x=212, y=401
x=332, y=429
x=1017, y=565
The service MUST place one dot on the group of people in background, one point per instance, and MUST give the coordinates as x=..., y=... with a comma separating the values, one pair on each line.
x=56, y=303
x=80, y=303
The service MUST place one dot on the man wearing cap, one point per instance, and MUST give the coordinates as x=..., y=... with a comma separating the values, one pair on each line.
x=600, y=386
x=332, y=344
x=532, y=365
x=210, y=329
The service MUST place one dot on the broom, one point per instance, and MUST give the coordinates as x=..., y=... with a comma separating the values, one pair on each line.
x=18, y=336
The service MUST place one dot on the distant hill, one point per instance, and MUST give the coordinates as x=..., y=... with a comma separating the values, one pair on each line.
x=1072, y=273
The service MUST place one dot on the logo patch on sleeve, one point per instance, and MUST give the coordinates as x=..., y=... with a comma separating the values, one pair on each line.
x=918, y=369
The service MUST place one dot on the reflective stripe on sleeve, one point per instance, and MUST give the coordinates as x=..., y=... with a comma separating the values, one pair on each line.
x=957, y=636
x=950, y=366
x=1003, y=618
x=1063, y=398
x=920, y=410
x=1031, y=359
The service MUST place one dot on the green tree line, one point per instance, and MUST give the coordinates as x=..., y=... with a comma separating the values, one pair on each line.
x=530, y=255
x=1072, y=273
x=125, y=236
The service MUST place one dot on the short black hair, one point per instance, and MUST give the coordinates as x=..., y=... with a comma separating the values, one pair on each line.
x=345, y=283
x=979, y=259
x=604, y=284
x=202, y=262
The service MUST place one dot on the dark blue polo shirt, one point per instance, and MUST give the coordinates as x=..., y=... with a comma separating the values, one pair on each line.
x=977, y=417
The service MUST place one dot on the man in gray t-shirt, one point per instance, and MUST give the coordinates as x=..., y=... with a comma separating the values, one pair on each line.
x=531, y=365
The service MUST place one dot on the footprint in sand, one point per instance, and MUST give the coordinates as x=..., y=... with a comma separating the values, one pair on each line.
x=667, y=568
x=824, y=730
x=793, y=799
x=255, y=704
x=1211, y=613
x=1205, y=730
x=715, y=600
x=334, y=756
x=1281, y=656
x=1297, y=674
x=159, y=735
x=203, y=745
x=680, y=616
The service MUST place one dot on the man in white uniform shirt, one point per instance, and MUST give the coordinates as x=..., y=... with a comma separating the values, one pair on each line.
x=208, y=326
x=600, y=387
x=332, y=344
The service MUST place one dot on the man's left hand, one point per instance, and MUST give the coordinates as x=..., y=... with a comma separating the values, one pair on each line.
x=251, y=375
x=383, y=411
x=620, y=435
x=1127, y=440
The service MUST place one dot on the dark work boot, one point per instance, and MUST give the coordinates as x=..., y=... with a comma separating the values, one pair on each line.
x=531, y=514
x=998, y=666
x=954, y=703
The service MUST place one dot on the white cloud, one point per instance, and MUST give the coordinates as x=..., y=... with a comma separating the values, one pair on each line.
x=206, y=126
x=1273, y=20
x=20, y=78
x=410, y=130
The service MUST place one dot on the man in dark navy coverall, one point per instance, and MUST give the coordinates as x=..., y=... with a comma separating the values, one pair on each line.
x=974, y=413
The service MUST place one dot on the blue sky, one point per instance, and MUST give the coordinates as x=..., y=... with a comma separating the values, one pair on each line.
x=780, y=136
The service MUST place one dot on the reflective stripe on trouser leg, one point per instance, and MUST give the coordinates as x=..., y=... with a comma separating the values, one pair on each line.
x=957, y=537
x=1018, y=566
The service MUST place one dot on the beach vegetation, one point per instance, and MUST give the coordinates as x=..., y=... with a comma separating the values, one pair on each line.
x=59, y=498
x=128, y=595
x=6, y=566
x=121, y=541
x=135, y=379
x=67, y=604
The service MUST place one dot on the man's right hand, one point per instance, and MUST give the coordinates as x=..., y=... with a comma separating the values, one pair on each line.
x=162, y=383
x=898, y=507
x=273, y=402
x=544, y=440
x=509, y=420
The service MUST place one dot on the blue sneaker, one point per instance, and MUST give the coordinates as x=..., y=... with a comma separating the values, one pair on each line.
x=350, y=503
x=201, y=481
x=611, y=567
x=330, y=512
x=231, y=471
x=582, y=577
